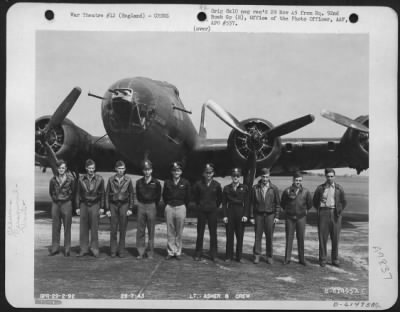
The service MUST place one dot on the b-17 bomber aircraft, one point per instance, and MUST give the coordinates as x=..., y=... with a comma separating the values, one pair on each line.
x=145, y=119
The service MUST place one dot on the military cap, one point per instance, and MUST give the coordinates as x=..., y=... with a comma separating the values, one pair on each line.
x=265, y=171
x=146, y=164
x=236, y=171
x=176, y=165
x=209, y=167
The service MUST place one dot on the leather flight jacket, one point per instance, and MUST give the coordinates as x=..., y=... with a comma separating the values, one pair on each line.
x=340, y=198
x=90, y=191
x=296, y=205
x=119, y=193
x=265, y=205
x=61, y=192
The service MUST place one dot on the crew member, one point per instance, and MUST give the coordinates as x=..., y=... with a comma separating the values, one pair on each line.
x=329, y=200
x=89, y=203
x=236, y=211
x=296, y=201
x=176, y=196
x=61, y=190
x=148, y=194
x=265, y=205
x=207, y=194
x=119, y=203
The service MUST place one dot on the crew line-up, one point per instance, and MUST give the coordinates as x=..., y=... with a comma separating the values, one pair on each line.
x=260, y=205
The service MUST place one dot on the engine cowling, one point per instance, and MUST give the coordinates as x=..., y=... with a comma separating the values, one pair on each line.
x=68, y=141
x=356, y=146
x=240, y=145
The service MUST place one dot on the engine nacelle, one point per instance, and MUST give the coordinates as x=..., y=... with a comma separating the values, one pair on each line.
x=68, y=141
x=356, y=146
x=267, y=150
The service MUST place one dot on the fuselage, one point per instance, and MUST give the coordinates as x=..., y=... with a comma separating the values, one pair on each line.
x=144, y=119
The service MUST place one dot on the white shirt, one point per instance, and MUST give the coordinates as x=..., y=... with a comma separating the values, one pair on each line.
x=328, y=197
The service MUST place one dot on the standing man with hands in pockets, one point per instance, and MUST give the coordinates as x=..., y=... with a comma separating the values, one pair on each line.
x=329, y=200
x=119, y=204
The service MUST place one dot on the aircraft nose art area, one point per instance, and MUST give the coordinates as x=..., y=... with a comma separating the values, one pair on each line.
x=127, y=112
x=121, y=103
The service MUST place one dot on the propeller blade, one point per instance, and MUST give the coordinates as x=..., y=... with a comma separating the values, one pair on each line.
x=225, y=116
x=63, y=109
x=344, y=121
x=289, y=126
x=250, y=173
x=51, y=157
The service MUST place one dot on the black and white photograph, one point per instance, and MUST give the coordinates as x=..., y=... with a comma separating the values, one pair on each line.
x=213, y=160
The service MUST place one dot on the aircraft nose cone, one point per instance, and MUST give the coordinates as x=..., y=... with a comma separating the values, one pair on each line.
x=121, y=103
x=129, y=113
x=121, y=108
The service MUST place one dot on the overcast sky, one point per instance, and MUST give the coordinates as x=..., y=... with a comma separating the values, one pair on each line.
x=277, y=77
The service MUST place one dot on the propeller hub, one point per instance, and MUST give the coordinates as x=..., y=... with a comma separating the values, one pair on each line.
x=254, y=141
x=39, y=135
x=53, y=137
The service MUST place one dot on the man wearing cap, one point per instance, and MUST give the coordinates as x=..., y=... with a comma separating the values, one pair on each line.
x=265, y=205
x=207, y=194
x=296, y=201
x=148, y=194
x=89, y=203
x=119, y=203
x=329, y=200
x=176, y=196
x=236, y=212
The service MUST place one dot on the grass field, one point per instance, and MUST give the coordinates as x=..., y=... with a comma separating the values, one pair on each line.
x=116, y=278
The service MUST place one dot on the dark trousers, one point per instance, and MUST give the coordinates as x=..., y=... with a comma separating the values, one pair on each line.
x=61, y=212
x=264, y=223
x=118, y=219
x=146, y=218
x=234, y=227
x=89, y=221
x=328, y=225
x=298, y=225
x=211, y=218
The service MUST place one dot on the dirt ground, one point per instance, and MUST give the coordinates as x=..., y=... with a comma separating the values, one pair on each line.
x=156, y=279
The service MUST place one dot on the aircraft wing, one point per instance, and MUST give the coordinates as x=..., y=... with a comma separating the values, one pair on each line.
x=295, y=154
x=310, y=154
